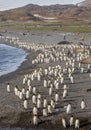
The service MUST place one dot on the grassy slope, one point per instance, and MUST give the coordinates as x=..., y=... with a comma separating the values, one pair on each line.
x=64, y=27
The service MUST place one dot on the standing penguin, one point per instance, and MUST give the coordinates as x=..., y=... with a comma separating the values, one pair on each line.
x=65, y=93
x=64, y=122
x=32, y=77
x=45, y=112
x=34, y=99
x=49, y=109
x=56, y=97
x=62, y=80
x=24, y=80
x=16, y=90
x=71, y=120
x=30, y=88
x=28, y=82
x=21, y=95
x=46, y=71
x=45, y=83
x=23, y=91
x=90, y=75
x=83, y=104
x=34, y=90
x=50, y=90
x=72, y=79
x=39, y=96
x=45, y=103
x=8, y=87
x=35, y=110
x=39, y=77
x=25, y=103
x=65, y=86
x=52, y=103
x=27, y=94
x=57, y=85
x=77, y=123
x=68, y=109
x=39, y=103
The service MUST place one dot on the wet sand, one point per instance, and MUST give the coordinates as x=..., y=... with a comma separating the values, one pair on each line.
x=13, y=114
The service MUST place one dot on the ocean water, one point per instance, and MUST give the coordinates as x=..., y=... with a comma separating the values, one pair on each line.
x=10, y=58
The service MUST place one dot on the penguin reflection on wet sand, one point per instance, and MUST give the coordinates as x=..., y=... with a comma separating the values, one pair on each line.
x=35, y=120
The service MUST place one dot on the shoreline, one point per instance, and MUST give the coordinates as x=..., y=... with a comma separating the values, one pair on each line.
x=19, y=63
x=22, y=66
x=21, y=116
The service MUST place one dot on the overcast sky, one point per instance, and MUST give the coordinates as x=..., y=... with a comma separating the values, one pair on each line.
x=8, y=4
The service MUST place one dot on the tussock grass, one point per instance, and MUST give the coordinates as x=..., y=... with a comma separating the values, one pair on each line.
x=66, y=27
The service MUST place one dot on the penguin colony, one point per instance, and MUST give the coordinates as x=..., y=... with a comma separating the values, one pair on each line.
x=54, y=80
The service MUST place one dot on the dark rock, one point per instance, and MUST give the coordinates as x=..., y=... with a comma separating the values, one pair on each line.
x=63, y=42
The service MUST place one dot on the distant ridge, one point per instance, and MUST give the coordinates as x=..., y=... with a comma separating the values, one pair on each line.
x=52, y=13
x=85, y=3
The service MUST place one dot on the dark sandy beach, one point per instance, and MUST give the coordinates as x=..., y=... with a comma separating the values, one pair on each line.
x=13, y=114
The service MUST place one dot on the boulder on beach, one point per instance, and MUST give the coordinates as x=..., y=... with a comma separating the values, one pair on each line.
x=63, y=42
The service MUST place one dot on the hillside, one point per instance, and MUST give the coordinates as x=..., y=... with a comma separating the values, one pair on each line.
x=85, y=3
x=52, y=13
